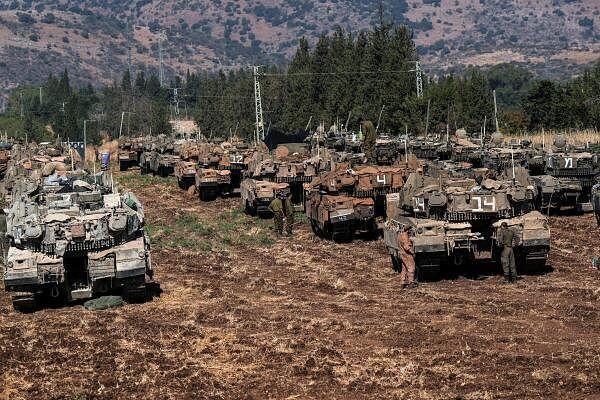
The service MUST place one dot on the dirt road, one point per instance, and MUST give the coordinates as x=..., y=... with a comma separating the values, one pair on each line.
x=251, y=318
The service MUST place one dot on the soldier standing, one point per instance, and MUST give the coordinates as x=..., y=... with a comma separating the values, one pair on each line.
x=4, y=243
x=288, y=211
x=596, y=201
x=276, y=207
x=505, y=240
x=370, y=137
x=407, y=276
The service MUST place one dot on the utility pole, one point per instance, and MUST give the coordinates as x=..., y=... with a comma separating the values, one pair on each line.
x=40, y=95
x=448, y=125
x=121, y=127
x=483, y=130
x=129, y=38
x=84, y=141
x=176, y=101
x=22, y=105
x=419, y=79
x=260, y=126
x=379, y=119
x=161, y=72
x=496, y=112
x=427, y=119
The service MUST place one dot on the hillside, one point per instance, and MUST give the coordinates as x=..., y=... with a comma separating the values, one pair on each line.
x=93, y=38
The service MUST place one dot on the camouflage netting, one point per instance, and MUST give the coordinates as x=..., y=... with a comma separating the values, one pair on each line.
x=103, y=303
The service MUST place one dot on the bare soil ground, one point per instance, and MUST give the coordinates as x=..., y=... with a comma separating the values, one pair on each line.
x=304, y=318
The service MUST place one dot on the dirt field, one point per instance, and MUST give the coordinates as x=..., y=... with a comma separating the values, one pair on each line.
x=250, y=317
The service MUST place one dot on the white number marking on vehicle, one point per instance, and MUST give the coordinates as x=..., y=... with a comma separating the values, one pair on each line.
x=419, y=204
x=484, y=203
x=568, y=162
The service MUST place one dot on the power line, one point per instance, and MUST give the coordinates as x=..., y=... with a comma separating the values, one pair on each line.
x=342, y=73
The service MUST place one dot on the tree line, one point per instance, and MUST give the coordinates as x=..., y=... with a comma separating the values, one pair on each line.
x=343, y=77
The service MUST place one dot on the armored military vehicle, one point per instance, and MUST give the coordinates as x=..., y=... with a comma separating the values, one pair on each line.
x=130, y=150
x=235, y=159
x=4, y=157
x=185, y=172
x=451, y=220
x=428, y=148
x=158, y=157
x=258, y=195
x=290, y=163
x=27, y=161
x=463, y=149
x=339, y=217
x=189, y=152
x=532, y=240
x=343, y=202
x=502, y=158
x=73, y=237
x=386, y=150
x=568, y=180
x=212, y=183
x=335, y=140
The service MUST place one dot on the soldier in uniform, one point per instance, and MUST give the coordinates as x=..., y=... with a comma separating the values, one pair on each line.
x=505, y=240
x=4, y=244
x=407, y=276
x=288, y=211
x=277, y=208
x=368, y=130
x=596, y=201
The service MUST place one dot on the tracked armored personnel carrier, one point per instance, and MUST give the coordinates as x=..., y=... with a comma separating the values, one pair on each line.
x=464, y=150
x=235, y=159
x=339, y=217
x=428, y=148
x=335, y=140
x=185, y=172
x=289, y=163
x=452, y=221
x=502, y=158
x=347, y=201
x=212, y=183
x=532, y=240
x=186, y=167
x=73, y=237
x=386, y=150
x=568, y=179
x=258, y=195
x=159, y=156
x=130, y=150
x=4, y=157
x=26, y=162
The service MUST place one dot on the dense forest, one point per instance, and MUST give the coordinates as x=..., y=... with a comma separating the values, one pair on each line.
x=343, y=76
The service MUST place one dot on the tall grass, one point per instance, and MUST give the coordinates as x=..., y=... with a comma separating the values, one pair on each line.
x=573, y=137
